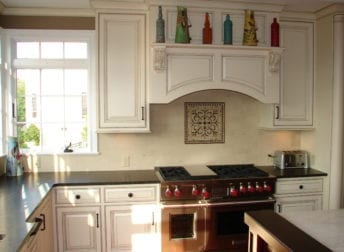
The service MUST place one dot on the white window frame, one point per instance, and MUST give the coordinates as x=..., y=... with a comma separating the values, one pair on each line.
x=16, y=35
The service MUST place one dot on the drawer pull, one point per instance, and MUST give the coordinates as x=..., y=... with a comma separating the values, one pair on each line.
x=78, y=196
x=43, y=221
x=130, y=195
x=301, y=187
x=97, y=216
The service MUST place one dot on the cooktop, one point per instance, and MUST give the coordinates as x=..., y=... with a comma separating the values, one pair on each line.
x=175, y=173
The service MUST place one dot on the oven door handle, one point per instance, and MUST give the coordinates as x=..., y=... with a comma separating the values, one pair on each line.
x=211, y=204
x=247, y=202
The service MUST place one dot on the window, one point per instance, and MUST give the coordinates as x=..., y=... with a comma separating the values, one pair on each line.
x=53, y=91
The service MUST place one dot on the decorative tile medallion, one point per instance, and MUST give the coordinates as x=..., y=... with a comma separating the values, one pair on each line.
x=204, y=122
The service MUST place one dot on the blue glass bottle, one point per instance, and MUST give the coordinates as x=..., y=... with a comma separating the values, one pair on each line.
x=228, y=31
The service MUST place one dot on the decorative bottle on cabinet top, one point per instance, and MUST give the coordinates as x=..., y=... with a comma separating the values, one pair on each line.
x=250, y=35
x=160, y=28
x=275, y=33
x=207, y=31
x=228, y=31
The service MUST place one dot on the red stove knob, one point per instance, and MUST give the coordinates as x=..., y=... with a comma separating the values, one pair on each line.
x=259, y=188
x=205, y=193
x=267, y=187
x=233, y=192
x=195, y=191
x=250, y=188
x=242, y=189
x=168, y=192
x=177, y=193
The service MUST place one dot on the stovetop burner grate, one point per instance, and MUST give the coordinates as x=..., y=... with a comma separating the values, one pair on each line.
x=237, y=171
x=174, y=173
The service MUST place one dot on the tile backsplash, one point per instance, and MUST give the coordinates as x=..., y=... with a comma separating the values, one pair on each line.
x=244, y=141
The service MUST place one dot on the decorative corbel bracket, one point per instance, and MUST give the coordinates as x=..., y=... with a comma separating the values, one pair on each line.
x=274, y=61
x=159, y=60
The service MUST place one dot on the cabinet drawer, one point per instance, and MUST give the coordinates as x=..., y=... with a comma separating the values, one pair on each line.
x=299, y=186
x=77, y=195
x=130, y=194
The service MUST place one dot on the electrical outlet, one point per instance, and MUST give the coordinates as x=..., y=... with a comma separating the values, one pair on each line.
x=126, y=161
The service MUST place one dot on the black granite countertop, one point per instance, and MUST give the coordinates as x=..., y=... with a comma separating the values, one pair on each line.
x=20, y=196
x=284, y=232
x=292, y=172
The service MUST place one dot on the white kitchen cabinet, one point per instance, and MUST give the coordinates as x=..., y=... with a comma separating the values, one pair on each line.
x=295, y=107
x=122, y=99
x=131, y=228
x=78, y=218
x=298, y=194
x=132, y=218
x=107, y=218
x=41, y=238
x=78, y=228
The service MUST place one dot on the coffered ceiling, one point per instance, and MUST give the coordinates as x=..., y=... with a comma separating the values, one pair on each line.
x=291, y=5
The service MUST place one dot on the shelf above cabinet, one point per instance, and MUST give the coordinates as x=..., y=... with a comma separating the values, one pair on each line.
x=180, y=69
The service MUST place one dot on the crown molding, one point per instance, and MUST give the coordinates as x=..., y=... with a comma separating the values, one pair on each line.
x=330, y=10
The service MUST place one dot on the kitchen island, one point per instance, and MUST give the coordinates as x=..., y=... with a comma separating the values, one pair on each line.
x=304, y=231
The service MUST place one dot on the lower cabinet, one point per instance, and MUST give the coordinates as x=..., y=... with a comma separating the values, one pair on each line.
x=41, y=238
x=131, y=228
x=78, y=229
x=299, y=194
x=107, y=218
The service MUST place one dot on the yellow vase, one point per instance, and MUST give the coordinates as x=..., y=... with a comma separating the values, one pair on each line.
x=250, y=36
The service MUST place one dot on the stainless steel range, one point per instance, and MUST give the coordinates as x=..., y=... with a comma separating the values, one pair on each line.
x=203, y=206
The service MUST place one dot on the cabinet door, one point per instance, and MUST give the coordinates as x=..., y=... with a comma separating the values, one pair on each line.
x=42, y=238
x=78, y=229
x=131, y=228
x=298, y=203
x=296, y=91
x=46, y=238
x=122, y=61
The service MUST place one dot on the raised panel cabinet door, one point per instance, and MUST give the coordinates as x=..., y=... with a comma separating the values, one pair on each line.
x=297, y=70
x=299, y=203
x=131, y=228
x=78, y=229
x=122, y=77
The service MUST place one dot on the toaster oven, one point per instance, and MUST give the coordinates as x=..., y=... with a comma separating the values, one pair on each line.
x=291, y=159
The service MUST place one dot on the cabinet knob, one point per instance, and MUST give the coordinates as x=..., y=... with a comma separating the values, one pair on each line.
x=130, y=195
x=301, y=187
x=78, y=196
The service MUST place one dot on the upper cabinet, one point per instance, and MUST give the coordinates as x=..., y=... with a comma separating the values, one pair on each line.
x=179, y=69
x=122, y=49
x=295, y=109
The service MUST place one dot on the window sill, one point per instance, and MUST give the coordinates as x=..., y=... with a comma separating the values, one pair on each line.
x=64, y=154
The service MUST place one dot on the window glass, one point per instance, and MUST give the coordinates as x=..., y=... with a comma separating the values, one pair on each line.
x=75, y=81
x=52, y=102
x=52, y=82
x=52, y=50
x=74, y=50
x=27, y=50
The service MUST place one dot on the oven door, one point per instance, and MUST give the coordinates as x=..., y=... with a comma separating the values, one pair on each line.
x=225, y=227
x=183, y=227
